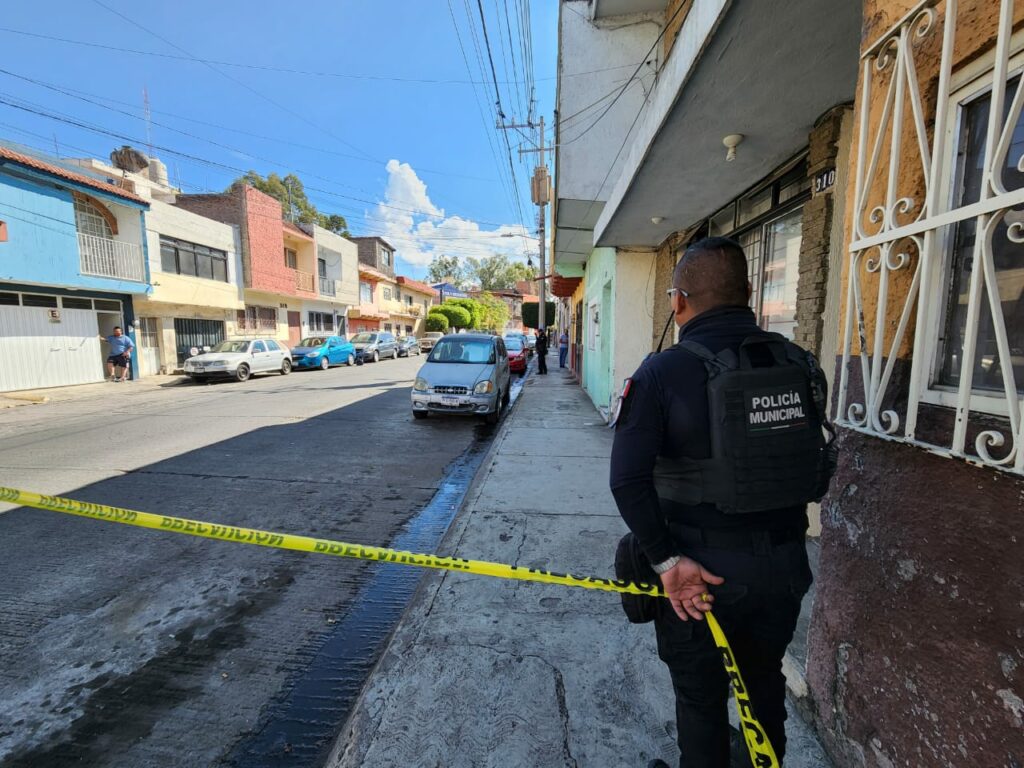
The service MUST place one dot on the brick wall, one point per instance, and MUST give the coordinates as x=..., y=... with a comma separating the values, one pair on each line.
x=265, y=244
x=369, y=254
x=816, y=233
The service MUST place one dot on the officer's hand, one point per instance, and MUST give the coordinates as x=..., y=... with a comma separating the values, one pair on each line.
x=686, y=585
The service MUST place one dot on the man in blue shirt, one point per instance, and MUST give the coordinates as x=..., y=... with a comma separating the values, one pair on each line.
x=120, y=354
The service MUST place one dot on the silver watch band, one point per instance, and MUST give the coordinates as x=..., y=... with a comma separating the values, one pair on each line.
x=667, y=565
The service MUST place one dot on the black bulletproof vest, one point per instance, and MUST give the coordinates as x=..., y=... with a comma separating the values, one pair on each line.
x=768, y=408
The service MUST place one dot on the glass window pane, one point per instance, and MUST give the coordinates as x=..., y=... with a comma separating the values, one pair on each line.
x=989, y=368
x=9, y=299
x=723, y=222
x=751, y=242
x=168, y=258
x=107, y=306
x=781, y=274
x=186, y=261
x=74, y=303
x=204, y=265
x=755, y=205
x=220, y=270
x=35, y=300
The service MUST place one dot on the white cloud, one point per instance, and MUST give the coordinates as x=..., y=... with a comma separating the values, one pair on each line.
x=420, y=230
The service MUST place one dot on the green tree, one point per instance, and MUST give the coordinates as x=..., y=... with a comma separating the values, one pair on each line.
x=495, y=312
x=436, y=322
x=446, y=269
x=290, y=192
x=497, y=272
x=531, y=311
x=472, y=306
x=458, y=317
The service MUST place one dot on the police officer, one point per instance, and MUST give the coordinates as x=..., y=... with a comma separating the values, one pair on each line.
x=718, y=448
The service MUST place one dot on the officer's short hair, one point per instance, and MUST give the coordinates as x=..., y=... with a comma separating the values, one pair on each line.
x=713, y=272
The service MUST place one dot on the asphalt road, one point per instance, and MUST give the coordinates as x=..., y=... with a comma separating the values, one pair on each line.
x=126, y=647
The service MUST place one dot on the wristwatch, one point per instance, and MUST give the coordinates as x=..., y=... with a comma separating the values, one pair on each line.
x=667, y=565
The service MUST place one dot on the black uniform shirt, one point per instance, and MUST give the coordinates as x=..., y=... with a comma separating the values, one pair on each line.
x=666, y=414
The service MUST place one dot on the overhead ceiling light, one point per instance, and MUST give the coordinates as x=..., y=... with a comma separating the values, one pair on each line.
x=657, y=219
x=732, y=141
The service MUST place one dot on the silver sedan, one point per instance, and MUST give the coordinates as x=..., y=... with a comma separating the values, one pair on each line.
x=466, y=374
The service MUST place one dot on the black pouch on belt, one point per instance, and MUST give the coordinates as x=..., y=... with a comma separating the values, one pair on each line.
x=631, y=564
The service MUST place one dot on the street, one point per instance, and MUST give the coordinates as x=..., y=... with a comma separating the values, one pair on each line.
x=129, y=647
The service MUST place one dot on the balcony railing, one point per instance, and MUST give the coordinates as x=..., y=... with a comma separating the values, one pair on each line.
x=111, y=258
x=328, y=286
x=304, y=280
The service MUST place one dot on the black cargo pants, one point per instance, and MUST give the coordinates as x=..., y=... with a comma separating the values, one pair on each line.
x=766, y=576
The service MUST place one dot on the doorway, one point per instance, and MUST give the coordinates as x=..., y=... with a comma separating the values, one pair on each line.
x=107, y=321
x=149, y=345
x=294, y=328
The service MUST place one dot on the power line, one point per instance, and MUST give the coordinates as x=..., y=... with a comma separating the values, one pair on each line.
x=269, y=68
x=235, y=80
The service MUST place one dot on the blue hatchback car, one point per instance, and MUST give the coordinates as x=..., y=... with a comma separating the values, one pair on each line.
x=323, y=352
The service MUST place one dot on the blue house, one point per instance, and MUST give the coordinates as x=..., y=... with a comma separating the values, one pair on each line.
x=72, y=257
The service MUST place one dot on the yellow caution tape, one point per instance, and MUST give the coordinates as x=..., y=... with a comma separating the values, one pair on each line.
x=760, y=748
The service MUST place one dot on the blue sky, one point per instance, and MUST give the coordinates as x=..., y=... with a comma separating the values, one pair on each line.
x=417, y=162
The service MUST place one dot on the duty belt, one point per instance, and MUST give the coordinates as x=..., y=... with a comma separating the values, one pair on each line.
x=738, y=539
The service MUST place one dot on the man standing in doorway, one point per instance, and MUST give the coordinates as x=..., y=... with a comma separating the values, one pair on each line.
x=120, y=354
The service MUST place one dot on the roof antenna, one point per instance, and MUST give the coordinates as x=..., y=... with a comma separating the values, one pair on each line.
x=149, y=120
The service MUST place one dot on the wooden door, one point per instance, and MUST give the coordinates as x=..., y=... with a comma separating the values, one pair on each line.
x=294, y=328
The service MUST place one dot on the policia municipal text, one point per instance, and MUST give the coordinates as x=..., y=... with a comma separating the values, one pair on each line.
x=719, y=446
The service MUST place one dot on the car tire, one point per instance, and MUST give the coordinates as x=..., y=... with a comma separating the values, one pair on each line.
x=376, y=356
x=492, y=418
x=324, y=363
x=419, y=414
x=505, y=400
x=242, y=373
x=350, y=360
x=286, y=367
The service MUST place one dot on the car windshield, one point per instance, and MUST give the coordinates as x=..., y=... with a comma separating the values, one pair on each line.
x=458, y=351
x=364, y=338
x=313, y=341
x=514, y=343
x=231, y=346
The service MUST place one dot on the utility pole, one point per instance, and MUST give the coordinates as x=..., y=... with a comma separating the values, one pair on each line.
x=540, y=194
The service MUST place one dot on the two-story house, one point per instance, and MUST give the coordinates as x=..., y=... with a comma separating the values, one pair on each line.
x=337, y=283
x=369, y=314
x=279, y=260
x=196, y=269
x=415, y=300
x=72, y=264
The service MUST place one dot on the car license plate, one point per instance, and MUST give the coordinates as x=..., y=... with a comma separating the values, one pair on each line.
x=198, y=368
x=449, y=400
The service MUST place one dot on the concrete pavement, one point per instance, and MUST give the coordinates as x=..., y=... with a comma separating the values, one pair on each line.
x=485, y=672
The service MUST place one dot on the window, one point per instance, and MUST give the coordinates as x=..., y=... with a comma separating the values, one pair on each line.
x=387, y=293
x=10, y=299
x=104, y=305
x=184, y=258
x=321, y=321
x=321, y=267
x=257, y=319
x=385, y=257
x=408, y=300
x=149, y=332
x=75, y=303
x=35, y=300
x=89, y=220
x=272, y=345
x=258, y=346
x=291, y=258
x=387, y=326
x=365, y=293
x=1006, y=258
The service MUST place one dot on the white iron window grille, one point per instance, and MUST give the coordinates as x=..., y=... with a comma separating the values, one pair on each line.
x=911, y=254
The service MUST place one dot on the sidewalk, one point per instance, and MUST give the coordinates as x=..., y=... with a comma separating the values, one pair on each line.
x=500, y=673
x=98, y=390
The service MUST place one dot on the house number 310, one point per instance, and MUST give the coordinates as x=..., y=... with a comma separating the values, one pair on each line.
x=824, y=181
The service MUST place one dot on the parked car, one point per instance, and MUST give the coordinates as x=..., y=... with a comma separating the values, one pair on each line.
x=429, y=339
x=531, y=342
x=371, y=346
x=323, y=352
x=408, y=346
x=240, y=359
x=516, y=348
x=522, y=338
x=465, y=374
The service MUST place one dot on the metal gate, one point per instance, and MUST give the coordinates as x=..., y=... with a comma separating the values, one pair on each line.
x=190, y=333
